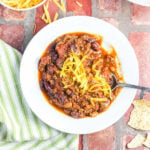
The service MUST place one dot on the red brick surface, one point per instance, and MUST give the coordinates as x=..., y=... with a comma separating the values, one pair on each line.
x=13, y=35
x=39, y=24
x=112, y=5
x=80, y=142
x=127, y=115
x=140, y=15
x=141, y=44
x=103, y=140
x=84, y=10
x=111, y=21
x=11, y=15
x=127, y=139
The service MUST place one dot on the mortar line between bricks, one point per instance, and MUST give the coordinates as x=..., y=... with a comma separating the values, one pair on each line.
x=4, y=22
x=28, y=27
x=134, y=28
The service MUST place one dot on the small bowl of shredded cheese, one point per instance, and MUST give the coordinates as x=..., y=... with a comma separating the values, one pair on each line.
x=22, y=5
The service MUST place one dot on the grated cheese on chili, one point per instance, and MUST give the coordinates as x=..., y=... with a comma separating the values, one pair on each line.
x=74, y=73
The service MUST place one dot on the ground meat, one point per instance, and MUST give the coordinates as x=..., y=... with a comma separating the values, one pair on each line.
x=75, y=114
x=43, y=62
x=46, y=76
x=68, y=105
x=69, y=100
x=52, y=83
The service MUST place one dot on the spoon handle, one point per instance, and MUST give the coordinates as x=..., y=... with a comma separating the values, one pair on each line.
x=134, y=86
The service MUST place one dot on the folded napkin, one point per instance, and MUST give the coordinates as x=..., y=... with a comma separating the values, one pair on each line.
x=20, y=129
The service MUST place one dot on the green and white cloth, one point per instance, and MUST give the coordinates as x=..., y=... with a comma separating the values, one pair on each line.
x=20, y=129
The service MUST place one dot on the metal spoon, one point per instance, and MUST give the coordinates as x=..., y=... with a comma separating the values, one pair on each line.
x=116, y=84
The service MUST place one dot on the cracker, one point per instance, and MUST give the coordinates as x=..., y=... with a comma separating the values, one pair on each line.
x=140, y=116
x=136, y=141
x=147, y=141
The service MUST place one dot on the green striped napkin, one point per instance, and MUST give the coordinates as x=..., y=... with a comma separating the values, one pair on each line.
x=20, y=129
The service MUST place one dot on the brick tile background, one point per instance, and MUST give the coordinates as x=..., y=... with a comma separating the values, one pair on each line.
x=140, y=15
x=113, y=5
x=84, y=10
x=102, y=140
x=17, y=28
x=13, y=35
x=141, y=44
x=11, y=15
x=112, y=21
x=39, y=24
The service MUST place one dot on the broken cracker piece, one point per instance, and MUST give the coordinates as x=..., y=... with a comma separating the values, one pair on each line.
x=140, y=116
x=147, y=141
x=137, y=141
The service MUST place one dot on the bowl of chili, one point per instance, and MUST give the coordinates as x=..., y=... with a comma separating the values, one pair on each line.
x=65, y=74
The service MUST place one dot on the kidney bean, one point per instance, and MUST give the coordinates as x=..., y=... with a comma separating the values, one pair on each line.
x=75, y=114
x=95, y=46
x=59, y=63
x=61, y=98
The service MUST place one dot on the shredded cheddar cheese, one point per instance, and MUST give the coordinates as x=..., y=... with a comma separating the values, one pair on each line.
x=78, y=3
x=34, y=29
x=55, y=17
x=60, y=5
x=74, y=73
x=46, y=16
x=21, y=3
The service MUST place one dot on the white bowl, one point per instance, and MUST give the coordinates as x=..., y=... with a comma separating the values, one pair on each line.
x=30, y=83
x=22, y=9
x=141, y=2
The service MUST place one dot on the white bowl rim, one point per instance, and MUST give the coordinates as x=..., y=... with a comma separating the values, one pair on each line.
x=141, y=2
x=127, y=93
x=22, y=9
